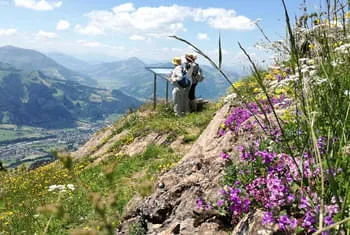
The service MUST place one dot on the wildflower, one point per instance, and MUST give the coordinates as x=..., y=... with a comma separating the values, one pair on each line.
x=256, y=90
x=207, y=207
x=328, y=220
x=311, y=46
x=276, y=71
x=283, y=222
x=268, y=218
x=268, y=76
x=220, y=203
x=199, y=203
x=71, y=187
x=224, y=156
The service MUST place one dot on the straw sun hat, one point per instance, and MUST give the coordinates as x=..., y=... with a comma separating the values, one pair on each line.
x=176, y=61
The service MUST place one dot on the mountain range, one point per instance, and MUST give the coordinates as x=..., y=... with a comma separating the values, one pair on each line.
x=35, y=99
x=31, y=60
x=38, y=90
x=131, y=77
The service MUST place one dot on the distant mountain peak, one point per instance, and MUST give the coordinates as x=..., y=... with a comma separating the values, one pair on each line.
x=31, y=60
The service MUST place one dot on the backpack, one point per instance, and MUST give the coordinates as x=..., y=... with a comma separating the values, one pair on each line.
x=185, y=82
x=196, y=73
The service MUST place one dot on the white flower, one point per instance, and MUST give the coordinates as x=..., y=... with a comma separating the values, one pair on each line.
x=312, y=72
x=320, y=80
x=71, y=187
x=303, y=60
x=347, y=92
x=52, y=187
x=60, y=188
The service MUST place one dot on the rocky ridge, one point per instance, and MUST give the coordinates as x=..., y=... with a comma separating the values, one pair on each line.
x=171, y=209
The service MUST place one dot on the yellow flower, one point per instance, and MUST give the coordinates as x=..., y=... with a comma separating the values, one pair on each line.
x=256, y=90
x=317, y=21
x=311, y=46
x=276, y=71
x=252, y=84
x=280, y=91
x=223, y=126
x=237, y=84
x=268, y=76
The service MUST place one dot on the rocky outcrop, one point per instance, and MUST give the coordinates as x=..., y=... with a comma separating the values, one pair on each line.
x=172, y=208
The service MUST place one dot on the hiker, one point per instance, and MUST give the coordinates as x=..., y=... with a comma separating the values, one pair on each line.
x=196, y=76
x=180, y=91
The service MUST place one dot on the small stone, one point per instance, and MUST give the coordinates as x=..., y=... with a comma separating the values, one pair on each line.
x=161, y=185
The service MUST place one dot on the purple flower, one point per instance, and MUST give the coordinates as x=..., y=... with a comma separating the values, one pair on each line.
x=207, y=207
x=224, y=156
x=268, y=218
x=332, y=209
x=304, y=203
x=278, y=77
x=328, y=220
x=220, y=203
x=293, y=223
x=309, y=220
x=291, y=198
x=283, y=222
x=199, y=203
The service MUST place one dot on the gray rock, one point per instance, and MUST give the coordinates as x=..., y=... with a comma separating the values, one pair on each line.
x=198, y=174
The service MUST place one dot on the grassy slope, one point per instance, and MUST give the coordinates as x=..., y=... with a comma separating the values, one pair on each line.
x=101, y=190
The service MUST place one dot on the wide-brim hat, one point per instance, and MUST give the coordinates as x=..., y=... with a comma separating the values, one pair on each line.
x=176, y=61
x=190, y=57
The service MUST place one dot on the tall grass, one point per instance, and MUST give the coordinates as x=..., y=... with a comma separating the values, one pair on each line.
x=299, y=172
x=81, y=196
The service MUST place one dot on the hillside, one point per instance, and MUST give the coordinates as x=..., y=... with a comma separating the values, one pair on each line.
x=135, y=151
x=131, y=77
x=34, y=99
x=69, y=62
x=31, y=60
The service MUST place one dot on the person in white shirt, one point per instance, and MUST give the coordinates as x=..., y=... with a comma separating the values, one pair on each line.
x=180, y=94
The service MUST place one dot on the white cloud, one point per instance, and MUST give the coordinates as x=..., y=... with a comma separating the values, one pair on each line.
x=161, y=21
x=47, y=35
x=127, y=7
x=202, y=36
x=220, y=18
x=137, y=37
x=62, y=25
x=7, y=32
x=90, y=29
x=41, y=5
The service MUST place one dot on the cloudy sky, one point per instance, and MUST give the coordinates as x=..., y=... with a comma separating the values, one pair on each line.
x=122, y=29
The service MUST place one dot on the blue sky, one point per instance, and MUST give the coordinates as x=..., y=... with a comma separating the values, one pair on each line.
x=90, y=29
